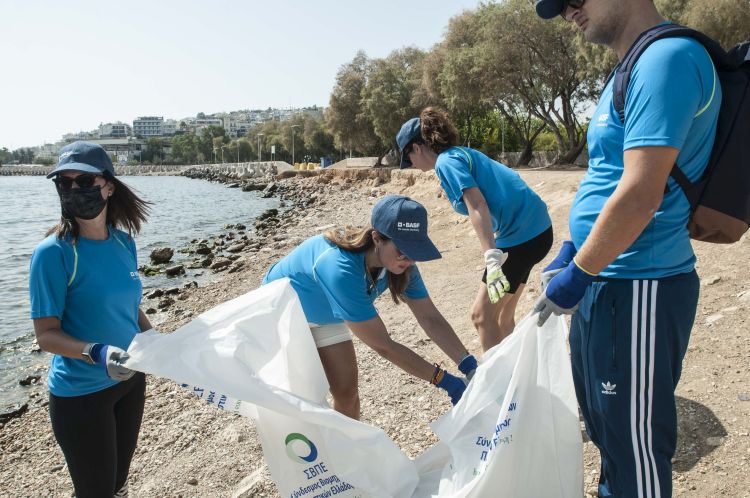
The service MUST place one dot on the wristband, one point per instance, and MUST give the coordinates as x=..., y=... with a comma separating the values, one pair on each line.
x=584, y=270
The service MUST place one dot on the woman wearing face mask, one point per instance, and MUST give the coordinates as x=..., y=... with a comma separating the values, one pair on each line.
x=339, y=275
x=85, y=305
x=510, y=220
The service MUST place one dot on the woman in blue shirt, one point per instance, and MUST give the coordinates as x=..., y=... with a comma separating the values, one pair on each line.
x=339, y=275
x=85, y=297
x=510, y=219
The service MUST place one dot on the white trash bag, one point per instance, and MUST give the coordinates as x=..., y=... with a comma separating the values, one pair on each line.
x=514, y=433
x=255, y=355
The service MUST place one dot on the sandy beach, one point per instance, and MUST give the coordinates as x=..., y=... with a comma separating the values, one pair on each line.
x=188, y=449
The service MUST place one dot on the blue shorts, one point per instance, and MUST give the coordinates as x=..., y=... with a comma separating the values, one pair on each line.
x=627, y=342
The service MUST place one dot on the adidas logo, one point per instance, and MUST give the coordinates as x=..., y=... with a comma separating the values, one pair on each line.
x=609, y=388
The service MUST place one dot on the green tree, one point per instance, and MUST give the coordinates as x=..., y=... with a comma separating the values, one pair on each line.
x=185, y=149
x=46, y=161
x=387, y=98
x=537, y=64
x=460, y=77
x=5, y=155
x=345, y=117
x=317, y=142
x=206, y=144
x=727, y=21
x=154, y=152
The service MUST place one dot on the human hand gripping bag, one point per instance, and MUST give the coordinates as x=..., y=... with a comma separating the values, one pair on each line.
x=516, y=430
x=255, y=355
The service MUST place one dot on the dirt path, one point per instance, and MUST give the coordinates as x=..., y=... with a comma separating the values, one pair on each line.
x=188, y=449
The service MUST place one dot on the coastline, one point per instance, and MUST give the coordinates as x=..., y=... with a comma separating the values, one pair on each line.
x=187, y=448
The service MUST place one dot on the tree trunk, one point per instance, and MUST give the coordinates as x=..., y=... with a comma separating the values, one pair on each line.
x=570, y=155
x=381, y=155
x=526, y=154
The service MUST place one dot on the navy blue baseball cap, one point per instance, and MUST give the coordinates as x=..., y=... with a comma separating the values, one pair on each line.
x=408, y=132
x=547, y=9
x=404, y=221
x=84, y=156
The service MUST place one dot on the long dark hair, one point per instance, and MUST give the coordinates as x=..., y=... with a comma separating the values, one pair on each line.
x=125, y=210
x=437, y=130
x=357, y=240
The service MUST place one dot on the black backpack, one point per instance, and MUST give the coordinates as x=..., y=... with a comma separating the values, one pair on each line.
x=720, y=200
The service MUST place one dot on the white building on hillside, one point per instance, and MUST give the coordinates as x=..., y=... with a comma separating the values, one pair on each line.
x=115, y=130
x=148, y=126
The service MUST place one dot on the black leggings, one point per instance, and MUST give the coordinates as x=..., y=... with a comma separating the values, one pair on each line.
x=98, y=433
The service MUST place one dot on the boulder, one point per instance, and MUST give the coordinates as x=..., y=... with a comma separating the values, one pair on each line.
x=31, y=379
x=238, y=247
x=165, y=303
x=203, y=250
x=154, y=294
x=149, y=271
x=5, y=417
x=220, y=264
x=173, y=271
x=162, y=255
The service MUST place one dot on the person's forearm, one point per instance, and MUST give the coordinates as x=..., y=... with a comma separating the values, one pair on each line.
x=481, y=220
x=57, y=342
x=443, y=335
x=623, y=219
x=408, y=360
x=143, y=322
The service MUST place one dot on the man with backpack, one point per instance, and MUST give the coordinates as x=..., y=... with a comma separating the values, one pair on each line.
x=628, y=274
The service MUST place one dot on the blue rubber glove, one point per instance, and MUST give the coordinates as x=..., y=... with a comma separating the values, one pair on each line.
x=468, y=366
x=112, y=359
x=563, y=259
x=563, y=293
x=454, y=386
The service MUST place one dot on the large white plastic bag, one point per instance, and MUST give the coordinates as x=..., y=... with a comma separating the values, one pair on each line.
x=255, y=355
x=516, y=431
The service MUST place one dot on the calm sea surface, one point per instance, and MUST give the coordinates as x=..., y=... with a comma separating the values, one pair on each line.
x=183, y=210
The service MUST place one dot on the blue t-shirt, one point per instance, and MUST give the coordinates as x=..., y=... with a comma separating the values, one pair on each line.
x=94, y=290
x=333, y=284
x=518, y=213
x=673, y=99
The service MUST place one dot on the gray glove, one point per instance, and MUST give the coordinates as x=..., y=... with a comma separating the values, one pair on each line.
x=545, y=307
x=113, y=359
x=116, y=358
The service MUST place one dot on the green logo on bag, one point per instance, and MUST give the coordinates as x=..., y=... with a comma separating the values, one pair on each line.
x=295, y=436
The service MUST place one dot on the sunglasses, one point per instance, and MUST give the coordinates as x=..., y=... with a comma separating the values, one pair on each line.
x=85, y=180
x=573, y=4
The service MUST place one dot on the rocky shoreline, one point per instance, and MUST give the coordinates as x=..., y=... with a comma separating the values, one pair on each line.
x=189, y=449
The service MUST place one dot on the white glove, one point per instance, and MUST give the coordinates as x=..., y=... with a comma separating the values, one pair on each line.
x=497, y=283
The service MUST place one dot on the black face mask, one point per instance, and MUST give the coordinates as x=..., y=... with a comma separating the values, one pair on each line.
x=84, y=203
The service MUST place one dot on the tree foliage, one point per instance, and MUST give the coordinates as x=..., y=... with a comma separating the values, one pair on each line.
x=387, y=98
x=345, y=117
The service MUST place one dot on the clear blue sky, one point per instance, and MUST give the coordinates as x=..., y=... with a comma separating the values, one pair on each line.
x=70, y=65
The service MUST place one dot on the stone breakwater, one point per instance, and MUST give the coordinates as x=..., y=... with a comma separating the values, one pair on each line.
x=237, y=170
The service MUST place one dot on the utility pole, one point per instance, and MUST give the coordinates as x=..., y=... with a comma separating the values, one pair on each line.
x=260, y=155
